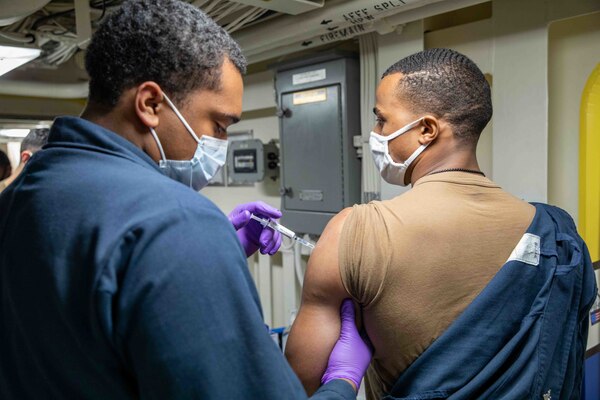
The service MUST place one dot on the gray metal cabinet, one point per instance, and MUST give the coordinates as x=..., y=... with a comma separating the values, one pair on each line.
x=319, y=111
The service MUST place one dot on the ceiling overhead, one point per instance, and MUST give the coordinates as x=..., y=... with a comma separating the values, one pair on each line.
x=52, y=27
x=265, y=29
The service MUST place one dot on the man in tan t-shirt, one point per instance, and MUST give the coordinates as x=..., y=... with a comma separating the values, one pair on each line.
x=415, y=262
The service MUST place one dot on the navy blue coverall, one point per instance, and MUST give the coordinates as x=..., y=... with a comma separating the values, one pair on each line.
x=524, y=336
x=117, y=282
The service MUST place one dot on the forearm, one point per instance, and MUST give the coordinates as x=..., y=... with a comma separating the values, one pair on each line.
x=313, y=336
x=317, y=327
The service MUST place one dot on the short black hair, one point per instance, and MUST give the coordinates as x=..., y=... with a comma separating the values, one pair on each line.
x=449, y=85
x=35, y=139
x=5, y=167
x=169, y=42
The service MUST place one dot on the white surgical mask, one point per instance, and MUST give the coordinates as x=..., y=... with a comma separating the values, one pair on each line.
x=391, y=171
x=208, y=159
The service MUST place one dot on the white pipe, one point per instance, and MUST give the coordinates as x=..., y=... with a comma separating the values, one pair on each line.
x=289, y=300
x=83, y=23
x=17, y=37
x=347, y=33
x=369, y=76
x=44, y=89
x=298, y=264
x=13, y=11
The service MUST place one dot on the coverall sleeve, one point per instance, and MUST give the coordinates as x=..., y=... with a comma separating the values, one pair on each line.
x=188, y=319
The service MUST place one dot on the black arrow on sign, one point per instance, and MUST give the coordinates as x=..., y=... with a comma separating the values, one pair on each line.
x=326, y=21
x=333, y=28
x=306, y=43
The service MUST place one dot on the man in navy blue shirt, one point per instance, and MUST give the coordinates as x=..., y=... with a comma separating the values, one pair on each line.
x=117, y=280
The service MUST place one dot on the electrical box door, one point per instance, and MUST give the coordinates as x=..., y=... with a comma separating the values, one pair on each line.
x=311, y=143
x=318, y=100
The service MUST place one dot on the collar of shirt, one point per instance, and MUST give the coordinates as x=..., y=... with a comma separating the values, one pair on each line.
x=77, y=132
x=458, y=177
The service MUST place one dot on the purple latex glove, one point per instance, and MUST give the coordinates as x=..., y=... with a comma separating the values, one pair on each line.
x=251, y=233
x=351, y=355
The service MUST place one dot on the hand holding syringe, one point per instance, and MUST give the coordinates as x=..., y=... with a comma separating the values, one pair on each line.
x=283, y=230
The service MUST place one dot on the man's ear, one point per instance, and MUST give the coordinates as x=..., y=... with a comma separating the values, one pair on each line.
x=25, y=156
x=430, y=129
x=148, y=99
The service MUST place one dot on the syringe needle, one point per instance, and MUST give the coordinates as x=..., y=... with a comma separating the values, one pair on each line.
x=305, y=242
x=282, y=229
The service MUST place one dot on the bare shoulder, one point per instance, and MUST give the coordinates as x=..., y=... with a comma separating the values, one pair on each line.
x=335, y=225
x=327, y=246
x=322, y=277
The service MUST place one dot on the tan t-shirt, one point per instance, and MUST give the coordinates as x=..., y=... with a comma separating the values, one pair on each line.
x=415, y=262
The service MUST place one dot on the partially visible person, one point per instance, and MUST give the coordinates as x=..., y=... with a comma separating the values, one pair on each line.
x=5, y=169
x=32, y=143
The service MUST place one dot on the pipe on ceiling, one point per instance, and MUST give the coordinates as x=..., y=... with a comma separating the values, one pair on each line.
x=12, y=11
x=44, y=89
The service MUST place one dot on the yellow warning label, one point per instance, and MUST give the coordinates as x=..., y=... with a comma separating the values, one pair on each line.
x=310, y=96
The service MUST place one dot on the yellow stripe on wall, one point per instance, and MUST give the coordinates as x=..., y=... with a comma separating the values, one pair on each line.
x=589, y=164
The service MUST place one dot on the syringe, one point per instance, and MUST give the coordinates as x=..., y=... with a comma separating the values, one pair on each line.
x=283, y=230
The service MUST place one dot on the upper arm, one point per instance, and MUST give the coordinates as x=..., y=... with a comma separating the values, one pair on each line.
x=317, y=326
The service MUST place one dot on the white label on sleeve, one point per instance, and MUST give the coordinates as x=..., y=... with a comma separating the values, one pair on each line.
x=527, y=250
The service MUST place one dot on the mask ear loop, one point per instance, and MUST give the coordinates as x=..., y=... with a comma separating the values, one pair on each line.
x=183, y=121
x=415, y=155
x=162, y=153
x=417, y=152
x=403, y=130
x=393, y=136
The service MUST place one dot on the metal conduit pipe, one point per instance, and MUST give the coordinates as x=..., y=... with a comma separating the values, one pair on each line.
x=44, y=89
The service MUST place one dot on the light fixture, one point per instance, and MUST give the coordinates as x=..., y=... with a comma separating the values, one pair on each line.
x=14, y=133
x=12, y=57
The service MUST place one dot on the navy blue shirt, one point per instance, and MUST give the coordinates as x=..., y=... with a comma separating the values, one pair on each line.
x=117, y=282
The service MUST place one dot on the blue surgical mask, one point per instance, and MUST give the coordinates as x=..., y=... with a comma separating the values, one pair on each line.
x=208, y=159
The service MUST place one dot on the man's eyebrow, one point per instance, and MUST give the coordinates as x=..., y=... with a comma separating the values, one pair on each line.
x=376, y=111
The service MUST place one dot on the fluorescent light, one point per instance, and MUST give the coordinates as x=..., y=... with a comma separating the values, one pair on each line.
x=14, y=133
x=13, y=57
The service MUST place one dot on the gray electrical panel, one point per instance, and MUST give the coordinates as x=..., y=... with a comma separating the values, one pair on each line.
x=250, y=161
x=319, y=113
